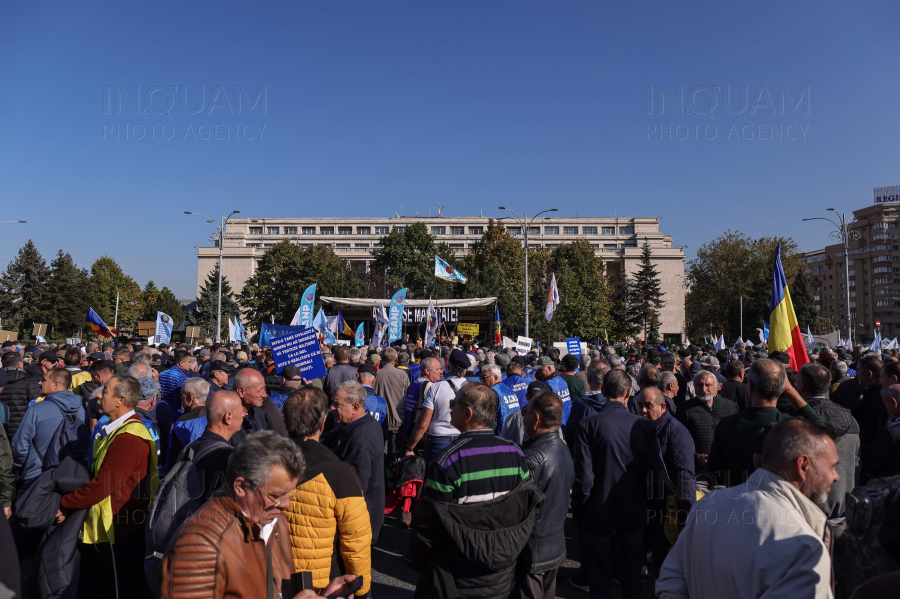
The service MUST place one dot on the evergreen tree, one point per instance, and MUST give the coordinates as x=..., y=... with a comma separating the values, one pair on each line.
x=625, y=316
x=154, y=300
x=804, y=306
x=208, y=305
x=22, y=291
x=646, y=291
x=67, y=298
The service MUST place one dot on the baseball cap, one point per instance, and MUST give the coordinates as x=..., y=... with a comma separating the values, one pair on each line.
x=546, y=361
x=205, y=353
x=536, y=387
x=291, y=373
x=367, y=368
x=459, y=359
x=49, y=356
x=220, y=365
x=149, y=387
x=518, y=360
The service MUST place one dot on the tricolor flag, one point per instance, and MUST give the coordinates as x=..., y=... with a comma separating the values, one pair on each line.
x=343, y=327
x=784, y=332
x=498, y=338
x=552, y=299
x=96, y=324
x=442, y=270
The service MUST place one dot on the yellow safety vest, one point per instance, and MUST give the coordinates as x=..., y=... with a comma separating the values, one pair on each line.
x=98, y=524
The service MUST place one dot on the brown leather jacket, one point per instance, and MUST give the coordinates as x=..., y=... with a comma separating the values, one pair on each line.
x=219, y=553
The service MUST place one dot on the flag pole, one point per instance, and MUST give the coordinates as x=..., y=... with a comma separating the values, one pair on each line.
x=116, y=320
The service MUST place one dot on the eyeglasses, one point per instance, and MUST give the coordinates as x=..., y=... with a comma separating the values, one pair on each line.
x=276, y=503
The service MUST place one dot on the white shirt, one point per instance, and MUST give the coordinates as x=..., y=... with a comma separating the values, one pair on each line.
x=437, y=398
x=110, y=428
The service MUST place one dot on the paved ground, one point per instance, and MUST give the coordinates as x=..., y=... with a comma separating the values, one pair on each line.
x=394, y=578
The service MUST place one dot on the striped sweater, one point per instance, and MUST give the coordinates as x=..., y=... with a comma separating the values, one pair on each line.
x=478, y=466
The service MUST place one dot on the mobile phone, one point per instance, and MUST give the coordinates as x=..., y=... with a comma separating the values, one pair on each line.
x=348, y=589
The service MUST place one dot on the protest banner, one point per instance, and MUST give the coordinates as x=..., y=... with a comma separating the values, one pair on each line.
x=573, y=345
x=467, y=329
x=300, y=349
x=523, y=346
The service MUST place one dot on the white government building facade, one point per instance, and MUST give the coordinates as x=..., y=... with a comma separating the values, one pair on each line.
x=617, y=241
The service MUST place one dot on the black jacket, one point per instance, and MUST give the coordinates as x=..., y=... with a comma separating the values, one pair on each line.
x=274, y=416
x=700, y=420
x=211, y=467
x=677, y=449
x=20, y=390
x=614, y=453
x=587, y=405
x=865, y=405
x=471, y=550
x=736, y=391
x=551, y=468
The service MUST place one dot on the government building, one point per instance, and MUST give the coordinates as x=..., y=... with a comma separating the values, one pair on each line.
x=874, y=272
x=617, y=241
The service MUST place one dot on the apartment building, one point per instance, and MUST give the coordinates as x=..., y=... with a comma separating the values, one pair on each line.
x=617, y=241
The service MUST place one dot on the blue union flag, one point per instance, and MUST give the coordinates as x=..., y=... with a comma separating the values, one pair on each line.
x=442, y=270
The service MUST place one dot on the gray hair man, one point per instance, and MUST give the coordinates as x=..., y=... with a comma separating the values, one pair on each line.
x=391, y=384
x=190, y=425
x=700, y=415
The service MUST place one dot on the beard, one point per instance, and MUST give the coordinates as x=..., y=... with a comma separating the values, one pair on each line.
x=817, y=490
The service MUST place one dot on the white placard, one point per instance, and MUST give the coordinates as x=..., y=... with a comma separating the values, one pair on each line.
x=523, y=345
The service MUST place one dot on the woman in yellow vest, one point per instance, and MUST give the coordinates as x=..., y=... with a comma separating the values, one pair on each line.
x=117, y=499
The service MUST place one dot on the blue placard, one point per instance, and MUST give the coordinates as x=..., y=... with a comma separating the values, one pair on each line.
x=573, y=346
x=267, y=332
x=302, y=350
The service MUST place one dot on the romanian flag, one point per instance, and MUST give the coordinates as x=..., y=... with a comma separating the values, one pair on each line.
x=784, y=332
x=96, y=324
x=343, y=327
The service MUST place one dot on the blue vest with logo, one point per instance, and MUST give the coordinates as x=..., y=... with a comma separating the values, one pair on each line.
x=412, y=401
x=509, y=403
x=561, y=388
x=519, y=385
x=376, y=406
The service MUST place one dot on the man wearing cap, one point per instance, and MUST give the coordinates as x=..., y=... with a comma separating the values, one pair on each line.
x=375, y=404
x=391, y=384
x=219, y=372
x=436, y=408
x=291, y=379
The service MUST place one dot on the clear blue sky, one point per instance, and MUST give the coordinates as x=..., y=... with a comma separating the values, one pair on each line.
x=374, y=105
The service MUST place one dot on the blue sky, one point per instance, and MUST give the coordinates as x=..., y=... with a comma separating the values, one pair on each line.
x=377, y=105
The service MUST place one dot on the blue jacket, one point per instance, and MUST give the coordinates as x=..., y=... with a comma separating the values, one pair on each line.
x=561, y=388
x=519, y=385
x=170, y=382
x=509, y=404
x=415, y=371
x=37, y=429
x=375, y=405
x=412, y=402
x=582, y=407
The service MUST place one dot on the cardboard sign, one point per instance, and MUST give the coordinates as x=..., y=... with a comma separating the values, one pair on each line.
x=39, y=330
x=467, y=329
x=9, y=336
x=146, y=328
x=300, y=349
x=573, y=346
x=523, y=346
x=191, y=332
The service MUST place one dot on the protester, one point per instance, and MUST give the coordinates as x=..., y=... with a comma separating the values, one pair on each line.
x=224, y=416
x=251, y=388
x=547, y=373
x=734, y=388
x=191, y=424
x=73, y=360
x=431, y=370
x=862, y=396
x=341, y=372
x=550, y=467
x=577, y=387
x=882, y=454
x=18, y=391
x=376, y=405
x=516, y=380
x=435, y=416
x=779, y=532
x=391, y=384
x=667, y=364
x=220, y=375
x=479, y=483
x=117, y=498
x=360, y=443
x=614, y=452
x=591, y=402
x=329, y=501
x=290, y=380
x=491, y=376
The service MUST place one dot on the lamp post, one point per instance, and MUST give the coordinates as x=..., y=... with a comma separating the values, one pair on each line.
x=221, y=230
x=525, y=223
x=844, y=234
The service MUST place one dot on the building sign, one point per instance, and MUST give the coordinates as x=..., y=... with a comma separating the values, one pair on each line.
x=887, y=194
x=420, y=315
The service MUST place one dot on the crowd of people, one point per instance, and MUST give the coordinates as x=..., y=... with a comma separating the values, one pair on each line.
x=190, y=471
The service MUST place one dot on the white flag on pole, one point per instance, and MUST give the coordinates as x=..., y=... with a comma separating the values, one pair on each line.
x=552, y=299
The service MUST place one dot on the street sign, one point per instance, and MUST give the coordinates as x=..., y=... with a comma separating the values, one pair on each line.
x=877, y=323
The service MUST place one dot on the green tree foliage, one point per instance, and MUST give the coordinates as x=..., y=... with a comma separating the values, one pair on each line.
x=67, y=297
x=646, y=296
x=153, y=300
x=22, y=291
x=207, y=309
x=284, y=272
x=625, y=315
x=494, y=267
x=107, y=279
x=804, y=305
x=407, y=260
x=731, y=266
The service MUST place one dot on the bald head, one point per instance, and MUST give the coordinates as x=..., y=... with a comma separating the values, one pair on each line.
x=250, y=386
x=224, y=413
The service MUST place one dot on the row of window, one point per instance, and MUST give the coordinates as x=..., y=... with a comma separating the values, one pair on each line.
x=437, y=230
x=631, y=244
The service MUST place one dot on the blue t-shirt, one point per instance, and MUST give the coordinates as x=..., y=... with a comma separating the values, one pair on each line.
x=561, y=388
x=509, y=403
x=412, y=401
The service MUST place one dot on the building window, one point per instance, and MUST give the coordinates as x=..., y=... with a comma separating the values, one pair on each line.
x=304, y=245
x=607, y=230
x=589, y=230
x=400, y=229
x=256, y=230
x=363, y=231
x=457, y=245
x=272, y=230
x=308, y=230
x=476, y=230
x=514, y=230
x=438, y=230
x=361, y=269
x=534, y=245
x=457, y=230
x=252, y=245
x=378, y=245
x=570, y=230
x=534, y=230
x=629, y=244
x=626, y=230
x=327, y=230
x=268, y=245
x=552, y=245
x=290, y=230
x=345, y=230
x=551, y=230
x=609, y=246
x=362, y=245
x=382, y=230
x=342, y=245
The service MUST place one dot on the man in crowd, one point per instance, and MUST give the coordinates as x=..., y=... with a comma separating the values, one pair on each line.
x=516, y=380
x=614, y=452
x=509, y=403
x=882, y=454
x=480, y=483
x=118, y=497
x=667, y=364
x=122, y=359
x=839, y=374
x=734, y=388
x=329, y=501
x=291, y=379
x=592, y=401
x=341, y=372
x=360, y=443
x=577, y=387
x=251, y=389
x=101, y=371
x=784, y=550
x=220, y=375
x=547, y=374
x=435, y=415
x=862, y=396
x=191, y=424
x=550, y=467
x=700, y=415
x=20, y=389
x=432, y=369
x=391, y=384
x=375, y=405
x=224, y=416
x=171, y=380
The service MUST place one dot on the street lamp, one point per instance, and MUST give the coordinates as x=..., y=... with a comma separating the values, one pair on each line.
x=844, y=234
x=221, y=230
x=525, y=223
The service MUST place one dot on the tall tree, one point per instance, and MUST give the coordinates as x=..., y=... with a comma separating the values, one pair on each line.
x=647, y=294
x=153, y=300
x=495, y=266
x=208, y=306
x=67, y=298
x=804, y=305
x=407, y=260
x=625, y=315
x=22, y=289
x=285, y=271
x=108, y=280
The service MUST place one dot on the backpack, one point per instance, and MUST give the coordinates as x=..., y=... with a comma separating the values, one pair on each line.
x=179, y=496
x=71, y=438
